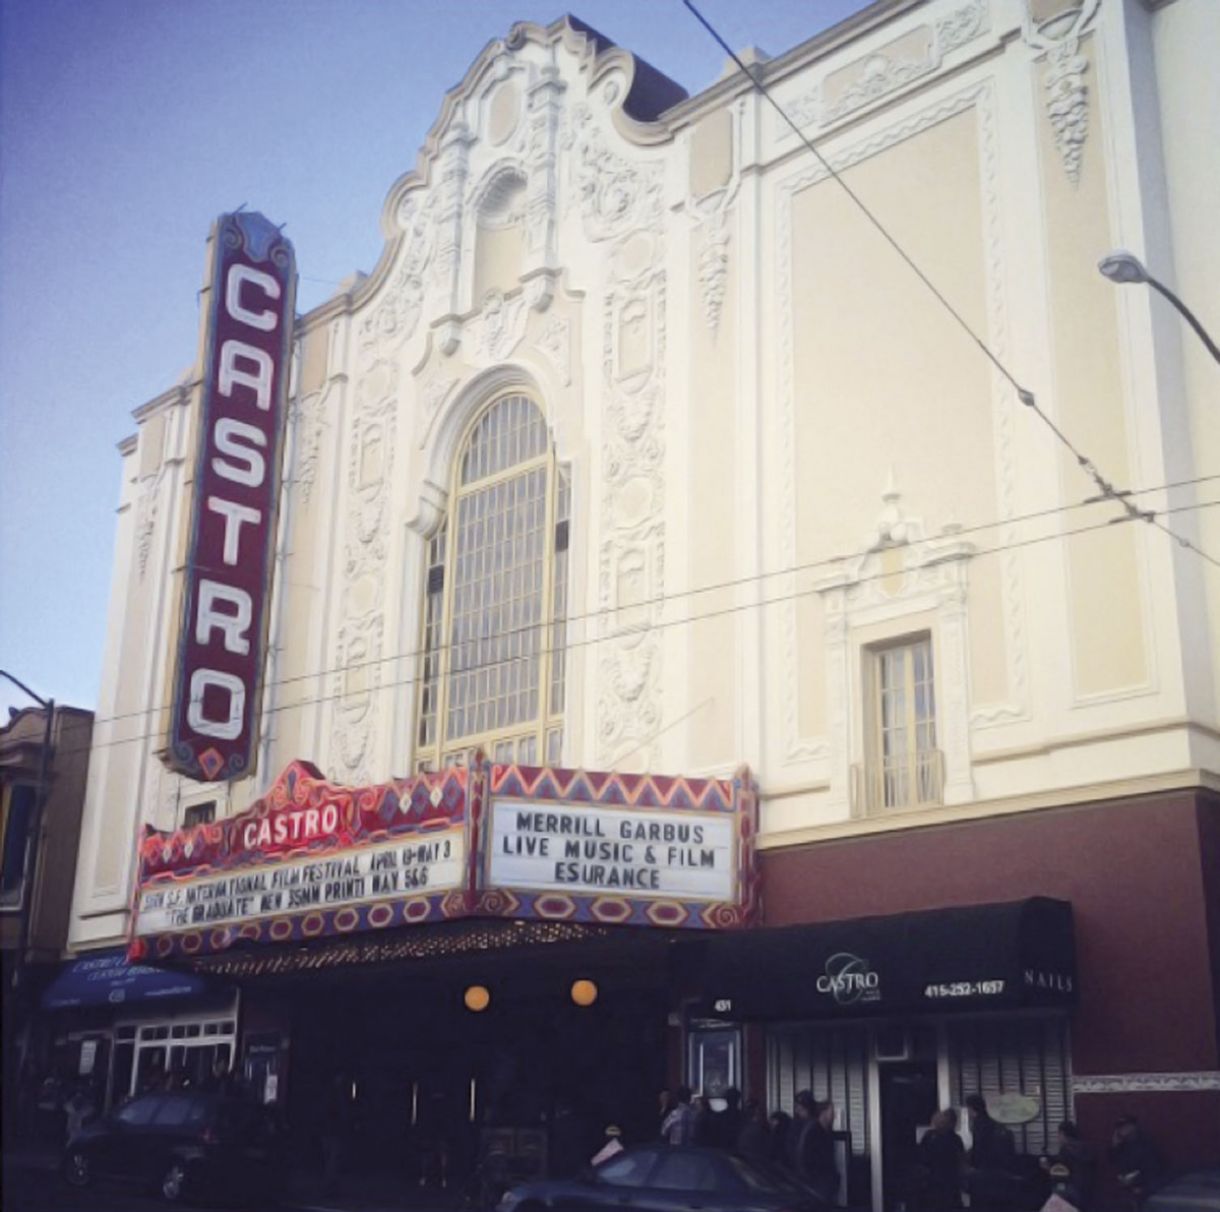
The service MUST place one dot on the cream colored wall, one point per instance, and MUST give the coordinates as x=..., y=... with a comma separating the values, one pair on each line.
x=885, y=381
x=1104, y=578
x=1186, y=43
x=497, y=259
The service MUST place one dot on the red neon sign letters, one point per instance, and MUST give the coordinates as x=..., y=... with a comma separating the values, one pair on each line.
x=230, y=553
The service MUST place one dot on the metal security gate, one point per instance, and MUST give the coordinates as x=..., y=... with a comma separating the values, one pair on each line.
x=1020, y=1055
x=832, y=1062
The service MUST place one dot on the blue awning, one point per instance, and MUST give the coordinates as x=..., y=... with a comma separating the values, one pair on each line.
x=107, y=979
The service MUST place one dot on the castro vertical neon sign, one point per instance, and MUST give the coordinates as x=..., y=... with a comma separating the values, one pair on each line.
x=230, y=554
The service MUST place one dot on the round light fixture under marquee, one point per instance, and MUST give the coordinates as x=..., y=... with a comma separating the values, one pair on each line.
x=584, y=992
x=477, y=998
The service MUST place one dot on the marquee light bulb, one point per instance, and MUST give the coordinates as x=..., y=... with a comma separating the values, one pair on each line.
x=584, y=992
x=477, y=998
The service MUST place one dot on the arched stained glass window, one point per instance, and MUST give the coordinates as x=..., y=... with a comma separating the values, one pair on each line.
x=495, y=598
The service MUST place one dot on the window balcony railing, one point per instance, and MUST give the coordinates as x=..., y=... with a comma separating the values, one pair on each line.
x=917, y=781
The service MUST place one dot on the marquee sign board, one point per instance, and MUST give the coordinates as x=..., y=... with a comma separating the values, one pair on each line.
x=230, y=551
x=629, y=849
x=312, y=858
x=575, y=848
x=309, y=859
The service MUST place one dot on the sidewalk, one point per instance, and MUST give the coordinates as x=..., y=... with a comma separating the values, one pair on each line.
x=302, y=1191
x=358, y=1194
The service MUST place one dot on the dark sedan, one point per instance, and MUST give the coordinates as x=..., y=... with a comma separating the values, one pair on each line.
x=182, y=1144
x=658, y=1178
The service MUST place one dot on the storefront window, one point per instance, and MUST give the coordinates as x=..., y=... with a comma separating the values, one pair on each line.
x=176, y=1054
x=19, y=813
x=495, y=598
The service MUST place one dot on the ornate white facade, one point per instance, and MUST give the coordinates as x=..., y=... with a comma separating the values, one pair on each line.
x=782, y=450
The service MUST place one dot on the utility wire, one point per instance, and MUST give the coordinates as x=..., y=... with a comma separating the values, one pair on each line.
x=1105, y=487
x=661, y=625
x=664, y=599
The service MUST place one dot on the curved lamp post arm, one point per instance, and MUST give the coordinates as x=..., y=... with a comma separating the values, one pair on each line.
x=1125, y=269
x=1188, y=315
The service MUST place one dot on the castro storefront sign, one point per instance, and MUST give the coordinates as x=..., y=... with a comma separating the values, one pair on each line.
x=312, y=858
x=230, y=552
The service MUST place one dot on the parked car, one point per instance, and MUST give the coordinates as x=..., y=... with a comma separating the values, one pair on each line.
x=659, y=1178
x=183, y=1144
x=1197, y=1192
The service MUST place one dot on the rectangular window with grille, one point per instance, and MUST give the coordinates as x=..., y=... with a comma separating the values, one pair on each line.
x=903, y=768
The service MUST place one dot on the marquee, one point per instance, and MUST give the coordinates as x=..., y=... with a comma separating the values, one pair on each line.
x=313, y=858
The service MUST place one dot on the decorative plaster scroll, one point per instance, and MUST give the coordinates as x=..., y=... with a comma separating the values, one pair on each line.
x=962, y=26
x=615, y=195
x=886, y=71
x=499, y=327
x=497, y=200
x=147, y=507
x=394, y=318
x=357, y=661
x=1005, y=409
x=980, y=98
x=355, y=686
x=1067, y=95
x=632, y=554
x=709, y=214
x=432, y=396
x=928, y=576
x=309, y=417
x=1154, y=1083
x=555, y=341
x=892, y=67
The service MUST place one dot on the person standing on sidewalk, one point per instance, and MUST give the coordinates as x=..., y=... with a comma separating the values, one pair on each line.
x=679, y=1125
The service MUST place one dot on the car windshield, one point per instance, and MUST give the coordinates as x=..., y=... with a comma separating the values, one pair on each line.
x=760, y=1176
x=629, y=1169
x=138, y=1111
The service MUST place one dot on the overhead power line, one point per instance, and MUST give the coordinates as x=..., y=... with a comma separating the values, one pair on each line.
x=664, y=599
x=619, y=633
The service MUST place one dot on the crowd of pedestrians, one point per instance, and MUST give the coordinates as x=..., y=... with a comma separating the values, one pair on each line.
x=802, y=1143
x=990, y=1172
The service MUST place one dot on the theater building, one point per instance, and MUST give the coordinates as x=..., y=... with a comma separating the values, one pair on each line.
x=634, y=634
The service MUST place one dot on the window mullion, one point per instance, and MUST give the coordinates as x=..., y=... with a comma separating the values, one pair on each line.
x=446, y=623
x=911, y=712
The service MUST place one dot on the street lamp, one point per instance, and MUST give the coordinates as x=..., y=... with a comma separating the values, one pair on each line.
x=1125, y=269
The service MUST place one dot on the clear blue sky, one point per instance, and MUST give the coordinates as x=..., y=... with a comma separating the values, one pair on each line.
x=126, y=127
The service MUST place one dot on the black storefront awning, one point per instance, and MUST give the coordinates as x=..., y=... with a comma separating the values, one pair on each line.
x=981, y=957
x=105, y=978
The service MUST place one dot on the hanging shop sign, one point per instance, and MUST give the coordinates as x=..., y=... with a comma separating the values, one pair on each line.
x=230, y=551
x=313, y=858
